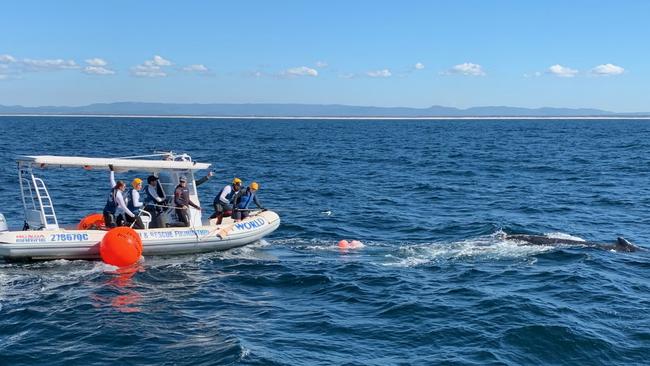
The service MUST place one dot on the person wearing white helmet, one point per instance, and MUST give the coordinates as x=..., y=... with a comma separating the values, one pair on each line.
x=223, y=201
x=182, y=201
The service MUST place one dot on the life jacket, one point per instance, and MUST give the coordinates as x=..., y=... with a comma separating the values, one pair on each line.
x=130, y=202
x=246, y=199
x=111, y=204
x=181, y=196
x=228, y=196
x=147, y=198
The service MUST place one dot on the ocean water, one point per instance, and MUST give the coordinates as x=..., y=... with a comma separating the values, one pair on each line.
x=435, y=283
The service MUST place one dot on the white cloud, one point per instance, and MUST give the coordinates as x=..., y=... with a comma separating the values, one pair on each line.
x=96, y=66
x=385, y=73
x=467, y=68
x=419, y=66
x=196, y=68
x=148, y=71
x=607, y=70
x=158, y=61
x=3, y=76
x=299, y=71
x=96, y=62
x=152, y=68
x=49, y=65
x=97, y=70
x=562, y=71
x=321, y=64
x=7, y=59
x=348, y=75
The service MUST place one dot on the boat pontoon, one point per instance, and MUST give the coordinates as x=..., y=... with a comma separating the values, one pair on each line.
x=43, y=238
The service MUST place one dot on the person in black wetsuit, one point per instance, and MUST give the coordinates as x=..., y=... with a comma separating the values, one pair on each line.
x=182, y=201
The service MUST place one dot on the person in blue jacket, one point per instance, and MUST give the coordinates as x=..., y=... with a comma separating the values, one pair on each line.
x=243, y=199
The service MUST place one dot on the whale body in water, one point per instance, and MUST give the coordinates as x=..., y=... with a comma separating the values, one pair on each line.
x=621, y=245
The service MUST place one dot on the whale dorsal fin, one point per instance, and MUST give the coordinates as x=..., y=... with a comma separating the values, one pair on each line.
x=624, y=246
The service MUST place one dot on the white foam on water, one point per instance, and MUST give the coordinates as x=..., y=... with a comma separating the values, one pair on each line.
x=322, y=244
x=249, y=252
x=489, y=247
x=5, y=280
x=76, y=271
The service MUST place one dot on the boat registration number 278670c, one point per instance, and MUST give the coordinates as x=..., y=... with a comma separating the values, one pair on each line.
x=68, y=237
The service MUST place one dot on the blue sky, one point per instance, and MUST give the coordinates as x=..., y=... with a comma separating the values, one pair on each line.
x=380, y=53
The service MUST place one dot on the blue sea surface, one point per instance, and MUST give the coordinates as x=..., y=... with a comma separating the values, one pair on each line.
x=435, y=283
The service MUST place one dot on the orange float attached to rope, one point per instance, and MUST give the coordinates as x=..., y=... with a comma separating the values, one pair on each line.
x=121, y=247
x=92, y=221
x=352, y=244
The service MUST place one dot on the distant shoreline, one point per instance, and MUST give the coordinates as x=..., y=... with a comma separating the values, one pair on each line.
x=334, y=118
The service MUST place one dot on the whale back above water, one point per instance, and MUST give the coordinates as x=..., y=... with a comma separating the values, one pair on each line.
x=621, y=244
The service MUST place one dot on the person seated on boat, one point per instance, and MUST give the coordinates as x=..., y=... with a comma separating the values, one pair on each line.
x=134, y=204
x=182, y=201
x=223, y=201
x=154, y=201
x=243, y=199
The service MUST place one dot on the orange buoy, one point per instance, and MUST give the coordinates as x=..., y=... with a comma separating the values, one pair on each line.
x=121, y=247
x=95, y=220
x=352, y=244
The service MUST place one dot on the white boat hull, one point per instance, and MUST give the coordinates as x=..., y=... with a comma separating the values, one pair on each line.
x=84, y=244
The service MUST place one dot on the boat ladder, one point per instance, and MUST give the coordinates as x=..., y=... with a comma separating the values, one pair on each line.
x=39, y=210
x=48, y=217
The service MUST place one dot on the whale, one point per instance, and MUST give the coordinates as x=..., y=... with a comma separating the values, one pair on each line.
x=621, y=244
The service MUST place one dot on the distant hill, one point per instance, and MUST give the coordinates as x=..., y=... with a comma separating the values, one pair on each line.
x=304, y=110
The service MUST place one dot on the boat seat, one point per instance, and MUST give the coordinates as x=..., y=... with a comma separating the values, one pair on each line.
x=145, y=217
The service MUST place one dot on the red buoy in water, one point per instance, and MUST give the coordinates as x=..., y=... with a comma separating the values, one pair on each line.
x=121, y=247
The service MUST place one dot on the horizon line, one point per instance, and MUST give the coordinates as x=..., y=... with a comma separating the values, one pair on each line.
x=586, y=117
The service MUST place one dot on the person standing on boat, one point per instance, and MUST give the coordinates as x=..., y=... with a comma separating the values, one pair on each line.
x=111, y=203
x=222, y=202
x=134, y=205
x=154, y=202
x=182, y=201
x=243, y=199
x=207, y=177
x=115, y=208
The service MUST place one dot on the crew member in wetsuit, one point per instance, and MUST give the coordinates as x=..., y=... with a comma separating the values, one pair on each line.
x=222, y=202
x=243, y=199
x=182, y=201
x=134, y=205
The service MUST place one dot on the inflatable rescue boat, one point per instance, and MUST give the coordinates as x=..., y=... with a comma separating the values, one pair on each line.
x=43, y=238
